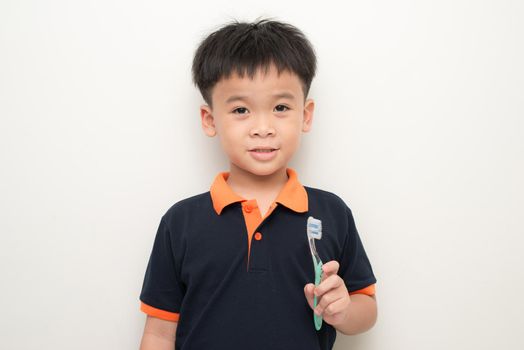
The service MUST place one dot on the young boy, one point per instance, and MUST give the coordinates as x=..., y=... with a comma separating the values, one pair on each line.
x=231, y=268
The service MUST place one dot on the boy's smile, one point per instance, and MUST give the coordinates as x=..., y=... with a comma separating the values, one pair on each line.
x=259, y=121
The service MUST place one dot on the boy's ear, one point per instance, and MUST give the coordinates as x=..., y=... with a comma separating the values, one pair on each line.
x=208, y=121
x=309, y=108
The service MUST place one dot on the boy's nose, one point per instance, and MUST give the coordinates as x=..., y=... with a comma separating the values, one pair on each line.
x=263, y=132
x=262, y=127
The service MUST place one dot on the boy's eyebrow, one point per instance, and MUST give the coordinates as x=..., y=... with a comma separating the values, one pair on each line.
x=287, y=95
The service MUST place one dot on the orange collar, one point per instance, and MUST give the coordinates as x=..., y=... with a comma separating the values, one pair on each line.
x=293, y=195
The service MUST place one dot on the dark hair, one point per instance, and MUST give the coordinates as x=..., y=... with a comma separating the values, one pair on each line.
x=245, y=47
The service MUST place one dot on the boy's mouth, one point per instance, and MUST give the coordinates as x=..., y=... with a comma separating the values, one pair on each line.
x=263, y=150
x=263, y=153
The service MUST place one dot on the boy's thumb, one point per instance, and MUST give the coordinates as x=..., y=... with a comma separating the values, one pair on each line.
x=308, y=292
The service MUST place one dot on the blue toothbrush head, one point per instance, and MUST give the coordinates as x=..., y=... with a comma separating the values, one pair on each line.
x=314, y=228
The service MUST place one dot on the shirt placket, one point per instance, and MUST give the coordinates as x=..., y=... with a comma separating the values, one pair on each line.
x=253, y=220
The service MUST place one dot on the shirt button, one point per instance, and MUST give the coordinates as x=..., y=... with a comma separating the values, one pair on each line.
x=258, y=236
x=248, y=209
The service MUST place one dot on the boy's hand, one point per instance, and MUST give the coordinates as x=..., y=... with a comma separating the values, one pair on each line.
x=332, y=295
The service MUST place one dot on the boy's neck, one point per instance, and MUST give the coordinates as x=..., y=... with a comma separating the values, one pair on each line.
x=249, y=185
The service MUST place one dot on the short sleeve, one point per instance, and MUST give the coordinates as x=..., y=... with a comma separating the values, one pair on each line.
x=161, y=294
x=355, y=268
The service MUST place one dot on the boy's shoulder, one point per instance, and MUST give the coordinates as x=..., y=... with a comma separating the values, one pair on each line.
x=197, y=204
x=324, y=197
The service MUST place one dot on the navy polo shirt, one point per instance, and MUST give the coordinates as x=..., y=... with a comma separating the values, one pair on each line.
x=233, y=279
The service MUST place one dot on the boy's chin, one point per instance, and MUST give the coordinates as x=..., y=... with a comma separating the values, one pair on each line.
x=263, y=170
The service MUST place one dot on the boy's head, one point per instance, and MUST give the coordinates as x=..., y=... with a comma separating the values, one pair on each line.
x=255, y=79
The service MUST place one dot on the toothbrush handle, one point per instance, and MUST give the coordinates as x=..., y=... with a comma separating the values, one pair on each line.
x=318, y=277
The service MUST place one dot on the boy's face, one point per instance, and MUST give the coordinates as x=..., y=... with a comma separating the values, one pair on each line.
x=260, y=121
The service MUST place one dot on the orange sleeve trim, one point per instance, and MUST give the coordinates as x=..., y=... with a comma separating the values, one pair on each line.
x=162, y=314
x=369, y=290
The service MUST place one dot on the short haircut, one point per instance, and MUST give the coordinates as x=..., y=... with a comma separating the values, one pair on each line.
x=243, y=47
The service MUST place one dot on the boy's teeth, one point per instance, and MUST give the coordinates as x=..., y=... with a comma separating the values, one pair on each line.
x=263, y=150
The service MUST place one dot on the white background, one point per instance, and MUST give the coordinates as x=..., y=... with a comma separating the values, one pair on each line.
x=418, y=127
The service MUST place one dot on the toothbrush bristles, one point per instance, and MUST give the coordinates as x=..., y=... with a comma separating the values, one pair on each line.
x=314, y=227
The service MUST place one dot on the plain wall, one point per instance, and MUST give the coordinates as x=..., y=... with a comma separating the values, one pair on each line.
x=418, y=127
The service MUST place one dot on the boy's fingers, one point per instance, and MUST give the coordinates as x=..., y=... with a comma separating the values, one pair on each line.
x=330, y=268
x=308, y=291
x=329, y=283
x=335, y=307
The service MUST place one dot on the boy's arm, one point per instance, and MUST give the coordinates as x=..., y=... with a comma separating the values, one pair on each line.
x=348, y=314
x=158, y=334
x=361, y=315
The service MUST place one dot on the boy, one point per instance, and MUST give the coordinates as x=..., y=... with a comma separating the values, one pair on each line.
x=231, y=268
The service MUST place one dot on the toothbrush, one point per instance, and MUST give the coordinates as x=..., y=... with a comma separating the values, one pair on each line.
x=314, y=231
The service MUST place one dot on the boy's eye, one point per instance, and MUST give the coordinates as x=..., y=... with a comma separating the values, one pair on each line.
x=240, y=110
x=281, y=108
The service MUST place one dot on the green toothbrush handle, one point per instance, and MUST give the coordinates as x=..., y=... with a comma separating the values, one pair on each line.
x=318, y=277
